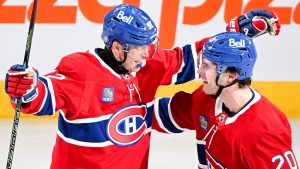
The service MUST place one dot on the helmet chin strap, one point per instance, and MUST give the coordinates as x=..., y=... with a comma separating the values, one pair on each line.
x=125, y=57
x=222, y=87
x=117, y=62
x=123, y=61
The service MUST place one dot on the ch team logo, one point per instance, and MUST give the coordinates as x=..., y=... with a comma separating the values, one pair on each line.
x=127, y=126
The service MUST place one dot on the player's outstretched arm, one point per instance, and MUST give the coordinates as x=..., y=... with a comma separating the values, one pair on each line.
x=255, y=23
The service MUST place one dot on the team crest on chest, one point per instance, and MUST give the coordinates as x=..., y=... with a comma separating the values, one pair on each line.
x=107, y=94
x=127, y=126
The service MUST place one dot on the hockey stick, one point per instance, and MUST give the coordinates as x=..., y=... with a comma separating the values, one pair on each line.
x=19, y=101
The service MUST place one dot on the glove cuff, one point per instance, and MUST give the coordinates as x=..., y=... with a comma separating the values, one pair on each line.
x=233, y=25
x=30, y=96
x=27, y=97
x=33, y=92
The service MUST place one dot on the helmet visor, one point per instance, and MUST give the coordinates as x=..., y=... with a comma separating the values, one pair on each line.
x=135, y=50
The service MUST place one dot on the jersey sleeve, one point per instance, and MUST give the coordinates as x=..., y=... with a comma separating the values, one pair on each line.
x=180, y=63
x=173, y=115
x=57, y=88
x=272, y=150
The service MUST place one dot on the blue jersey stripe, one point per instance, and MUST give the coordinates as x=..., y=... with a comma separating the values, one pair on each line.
x=149, y=116
x=201, y=154
x=90, y=132
x=93, y=132
x=188, y=71
x=165, y=117
x=47, y=107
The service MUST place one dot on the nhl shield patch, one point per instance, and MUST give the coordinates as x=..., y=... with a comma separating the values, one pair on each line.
x=107, y=94
x=203, y=122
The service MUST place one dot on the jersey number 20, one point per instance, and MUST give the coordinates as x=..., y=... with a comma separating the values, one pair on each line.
x=289, y=157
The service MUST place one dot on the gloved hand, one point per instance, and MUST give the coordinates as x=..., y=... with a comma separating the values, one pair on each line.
x=21, y=83
x=255, y=23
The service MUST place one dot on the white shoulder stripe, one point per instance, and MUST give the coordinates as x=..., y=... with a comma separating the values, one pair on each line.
x=86, y=120
x=195, y=56
x=174, y=77
x=51, y=90
x=50, y=87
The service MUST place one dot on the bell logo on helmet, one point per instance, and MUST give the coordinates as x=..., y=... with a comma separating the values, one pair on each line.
x=129, y=25
x=126, y=19
x=237, y=44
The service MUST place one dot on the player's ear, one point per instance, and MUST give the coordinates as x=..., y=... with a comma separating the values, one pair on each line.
x=117, y=50
x=232, y=76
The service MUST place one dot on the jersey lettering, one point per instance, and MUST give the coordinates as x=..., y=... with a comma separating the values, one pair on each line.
x=288, y=156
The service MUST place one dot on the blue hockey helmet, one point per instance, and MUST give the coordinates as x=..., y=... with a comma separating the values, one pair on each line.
x=129, y=25
x=231, y=49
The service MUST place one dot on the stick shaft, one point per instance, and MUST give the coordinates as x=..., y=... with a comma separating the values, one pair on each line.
x=30, y=33
x=13, y=135
x=19, y=101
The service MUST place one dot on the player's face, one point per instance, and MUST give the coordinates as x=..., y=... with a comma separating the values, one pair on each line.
x=137, y=55
x=136, y=58
x=208, y=74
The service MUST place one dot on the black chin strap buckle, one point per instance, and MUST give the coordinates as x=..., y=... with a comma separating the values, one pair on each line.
x=222, y=87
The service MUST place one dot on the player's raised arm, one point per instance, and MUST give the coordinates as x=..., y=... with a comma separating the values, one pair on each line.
x=255, y=23
x=181, y=63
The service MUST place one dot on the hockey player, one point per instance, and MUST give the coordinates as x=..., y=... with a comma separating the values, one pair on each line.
x=105, y=96
x=236, y=127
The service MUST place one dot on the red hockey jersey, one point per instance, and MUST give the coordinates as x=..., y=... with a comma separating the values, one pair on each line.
x=105, y=119
x=258, y=136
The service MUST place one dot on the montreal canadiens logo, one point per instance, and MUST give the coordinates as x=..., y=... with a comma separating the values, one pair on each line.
x=127, y=126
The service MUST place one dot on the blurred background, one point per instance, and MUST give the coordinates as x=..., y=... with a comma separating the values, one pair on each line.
x=65, y=26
